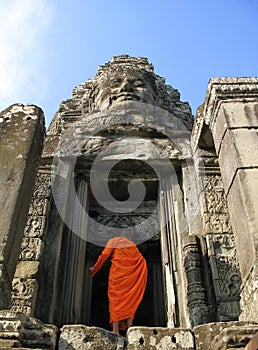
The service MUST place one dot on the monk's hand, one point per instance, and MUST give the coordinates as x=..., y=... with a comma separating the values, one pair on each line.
x=91, y=269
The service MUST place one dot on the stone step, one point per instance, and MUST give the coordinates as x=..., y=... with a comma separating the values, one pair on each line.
x=9, y=343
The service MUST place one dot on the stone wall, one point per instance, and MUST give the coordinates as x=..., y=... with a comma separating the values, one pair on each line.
x=21, y=142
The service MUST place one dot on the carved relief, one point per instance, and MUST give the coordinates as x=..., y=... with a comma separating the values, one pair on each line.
x=217, y=223
x=31, y=249
x=35, y=227
x=123, y=80
x=24, y=295
x=216, y=213
x=212, y=183
x=225, y=274
x=39, y=206
x=126, y=85
x=43, y=185
x=139, y=235
x=25, y=289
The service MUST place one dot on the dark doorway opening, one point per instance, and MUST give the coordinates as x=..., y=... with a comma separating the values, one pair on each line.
x=151, y=312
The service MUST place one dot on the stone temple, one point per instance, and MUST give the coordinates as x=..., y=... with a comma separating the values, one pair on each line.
x=125, y=151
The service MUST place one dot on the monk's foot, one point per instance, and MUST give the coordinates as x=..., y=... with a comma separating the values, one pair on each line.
x=129, y=322
x=115, y=328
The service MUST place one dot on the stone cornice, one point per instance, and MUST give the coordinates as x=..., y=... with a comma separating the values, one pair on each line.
x=220, y=89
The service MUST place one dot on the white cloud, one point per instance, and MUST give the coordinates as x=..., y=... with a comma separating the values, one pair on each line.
x=23, y=25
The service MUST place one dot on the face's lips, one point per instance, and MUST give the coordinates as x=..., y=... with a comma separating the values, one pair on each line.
x=126, y=96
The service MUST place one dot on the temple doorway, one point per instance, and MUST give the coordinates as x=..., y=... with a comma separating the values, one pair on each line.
x=151, y=312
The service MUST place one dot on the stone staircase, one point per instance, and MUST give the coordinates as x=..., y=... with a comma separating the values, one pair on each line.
x=22, y=332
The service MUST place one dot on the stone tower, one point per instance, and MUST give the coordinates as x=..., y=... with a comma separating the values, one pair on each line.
x=124, y=151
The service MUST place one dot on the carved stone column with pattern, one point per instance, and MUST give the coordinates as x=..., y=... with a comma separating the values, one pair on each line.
x=25, y=284
x=195, y=288
x=217, y=230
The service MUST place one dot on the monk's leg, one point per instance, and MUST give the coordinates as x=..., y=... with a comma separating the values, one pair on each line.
x=115, y=327
x=129, y=322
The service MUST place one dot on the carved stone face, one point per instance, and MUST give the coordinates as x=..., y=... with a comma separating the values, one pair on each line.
x=121, y=87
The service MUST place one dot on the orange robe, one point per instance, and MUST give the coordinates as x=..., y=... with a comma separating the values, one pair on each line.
x=127, y=277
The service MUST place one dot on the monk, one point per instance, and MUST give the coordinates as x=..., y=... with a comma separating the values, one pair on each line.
x=126, y=282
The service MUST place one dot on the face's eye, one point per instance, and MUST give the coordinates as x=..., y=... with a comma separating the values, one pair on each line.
x=139, y=83
x=116, y=82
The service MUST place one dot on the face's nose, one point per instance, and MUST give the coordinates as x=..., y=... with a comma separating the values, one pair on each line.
x=127, y=86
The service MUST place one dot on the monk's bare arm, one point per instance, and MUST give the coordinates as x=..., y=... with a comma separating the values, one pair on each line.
x=107, y=251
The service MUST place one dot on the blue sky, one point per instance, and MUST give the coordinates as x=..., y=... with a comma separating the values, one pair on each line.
x=48, y=47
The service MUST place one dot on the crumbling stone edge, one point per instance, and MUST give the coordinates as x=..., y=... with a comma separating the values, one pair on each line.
x=20, y=331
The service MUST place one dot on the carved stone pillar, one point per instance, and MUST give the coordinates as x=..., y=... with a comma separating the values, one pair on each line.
x=217, y=233
x=21, y=140
x=25, y=281
x=231, y=109
x=56, y=220
x=196, y=297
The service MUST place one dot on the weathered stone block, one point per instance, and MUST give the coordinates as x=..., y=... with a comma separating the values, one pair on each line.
x=242, y=145
x=205, y=334
x=192, y=206
x=9, y=343
x=150, y=338
x=17, y=330
x=236, y=337
x=27, y=269
x=36, y=334
x=234, y=114
x=81, y=337
x=21, y=141
x=249, y=297
x=243, y=198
